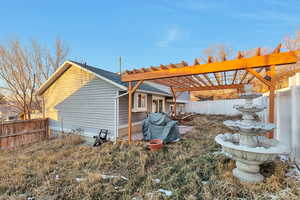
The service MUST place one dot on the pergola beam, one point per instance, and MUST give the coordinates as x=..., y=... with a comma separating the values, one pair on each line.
x=244, y=77
x=258, y=71
x=168, y=82
x=200, y=80
x=258, y=76
x=228, y=65
x=208, y=79
x=217, y=78
x=217, y=87
x=234, y=76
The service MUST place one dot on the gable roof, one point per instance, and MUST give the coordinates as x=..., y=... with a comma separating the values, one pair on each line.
x=110, y=77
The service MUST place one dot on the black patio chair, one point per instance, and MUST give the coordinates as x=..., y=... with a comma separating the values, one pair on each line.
x=101, y=138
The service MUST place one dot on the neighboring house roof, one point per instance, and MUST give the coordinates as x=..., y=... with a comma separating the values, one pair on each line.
x=108, y=76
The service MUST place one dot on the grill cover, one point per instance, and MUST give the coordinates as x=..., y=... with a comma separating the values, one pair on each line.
x=160, y=126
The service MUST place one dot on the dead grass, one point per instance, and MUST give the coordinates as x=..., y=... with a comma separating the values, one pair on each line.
x=189, y=168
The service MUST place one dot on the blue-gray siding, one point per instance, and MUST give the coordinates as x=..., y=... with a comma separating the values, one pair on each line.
x=123, y=112
x=90, y=108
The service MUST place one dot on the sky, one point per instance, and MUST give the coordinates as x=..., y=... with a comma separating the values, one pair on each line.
x=148, y=32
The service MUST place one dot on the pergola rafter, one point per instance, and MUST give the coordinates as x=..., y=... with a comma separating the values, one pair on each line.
x=183, y=77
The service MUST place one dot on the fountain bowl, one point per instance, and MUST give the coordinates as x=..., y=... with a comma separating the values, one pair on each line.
x=248, y=159
x=249, y=126
x=255, y=108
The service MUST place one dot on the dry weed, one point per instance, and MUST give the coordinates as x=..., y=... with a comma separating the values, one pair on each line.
x=62, y=169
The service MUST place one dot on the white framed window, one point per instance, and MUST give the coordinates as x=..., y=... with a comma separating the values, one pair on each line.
x=140, y=102
x=158, y=104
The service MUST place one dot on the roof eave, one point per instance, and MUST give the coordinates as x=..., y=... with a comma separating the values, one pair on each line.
x=63, y=68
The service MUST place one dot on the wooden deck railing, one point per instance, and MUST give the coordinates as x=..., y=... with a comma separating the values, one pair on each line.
x=17, y=133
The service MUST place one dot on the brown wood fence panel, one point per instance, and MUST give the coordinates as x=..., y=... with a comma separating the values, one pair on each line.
x=17, y=133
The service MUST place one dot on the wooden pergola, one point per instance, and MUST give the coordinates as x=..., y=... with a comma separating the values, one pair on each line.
x=225, y=74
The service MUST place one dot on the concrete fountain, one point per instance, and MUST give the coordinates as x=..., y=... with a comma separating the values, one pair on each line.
x=249, y=147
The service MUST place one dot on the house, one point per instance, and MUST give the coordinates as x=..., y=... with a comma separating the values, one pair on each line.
x=7, y=112
x=79, y=96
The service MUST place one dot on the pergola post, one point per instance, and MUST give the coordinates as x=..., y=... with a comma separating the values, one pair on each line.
x=130, y=93
x=272, y=89
x=174, y=100
x=129, y=110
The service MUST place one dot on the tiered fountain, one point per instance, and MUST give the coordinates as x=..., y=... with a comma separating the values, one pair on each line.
x=249, y=147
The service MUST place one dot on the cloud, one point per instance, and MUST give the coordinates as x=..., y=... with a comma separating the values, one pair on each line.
x=273, y=16
x=171, y=35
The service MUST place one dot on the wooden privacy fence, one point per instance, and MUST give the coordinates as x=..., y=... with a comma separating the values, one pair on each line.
x=17, y=133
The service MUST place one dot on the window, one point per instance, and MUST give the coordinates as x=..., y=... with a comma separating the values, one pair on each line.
x=158, y=104
x=140, y=102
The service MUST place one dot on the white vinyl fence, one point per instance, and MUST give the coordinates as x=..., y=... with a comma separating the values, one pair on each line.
x=287, y=113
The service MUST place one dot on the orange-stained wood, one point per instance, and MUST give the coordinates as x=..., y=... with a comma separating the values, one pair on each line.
x=258, y=51
x=137, y=85
x=217, y=87
x=163, y=67
x=208, y=79
x=228, y=65
x=272, y=89
x=239, y=56
x=191, y=82
x=129, y=111
x=234, y=76
x=153, y=68
x=217, y=78
x=200, y=80
x=244, y=77
x=258, y=71
x=168, y=82
x=174, y=100
x=259, y=77
x=196, y=61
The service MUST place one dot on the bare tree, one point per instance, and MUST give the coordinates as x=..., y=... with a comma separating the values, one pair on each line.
x=23, y=69
x=217, y=52
x=292, y=42
x=2, y=99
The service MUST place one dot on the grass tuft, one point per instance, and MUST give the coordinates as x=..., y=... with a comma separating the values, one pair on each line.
x=65, y=169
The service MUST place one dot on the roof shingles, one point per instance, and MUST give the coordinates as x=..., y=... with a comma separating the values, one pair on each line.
x=117, y=79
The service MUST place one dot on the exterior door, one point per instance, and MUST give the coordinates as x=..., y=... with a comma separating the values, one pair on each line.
x=158, y=104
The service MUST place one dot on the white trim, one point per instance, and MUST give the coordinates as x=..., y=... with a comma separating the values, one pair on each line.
x=158, y=98
x=65, y=67
x=116, y=116
x=101, y=77
x=150, y=92
x=177, y=101
x=136, y=100
x=46, y=84
x=133, y=124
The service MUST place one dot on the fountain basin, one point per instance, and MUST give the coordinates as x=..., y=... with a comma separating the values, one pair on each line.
x=249, y=126
x=244, y=108
x=248, y=159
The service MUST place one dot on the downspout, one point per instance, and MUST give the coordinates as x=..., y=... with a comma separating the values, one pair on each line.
x=117, y=115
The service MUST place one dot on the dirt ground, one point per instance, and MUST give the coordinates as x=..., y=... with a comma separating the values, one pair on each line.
x=190, y=169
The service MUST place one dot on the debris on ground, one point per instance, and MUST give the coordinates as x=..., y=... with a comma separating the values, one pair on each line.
x=189, y=169
x=112, y=176
x=156, y=180
x=166, y=192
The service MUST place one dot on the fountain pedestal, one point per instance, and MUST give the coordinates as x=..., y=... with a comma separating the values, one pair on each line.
x=247, y=171
x=249, y=148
